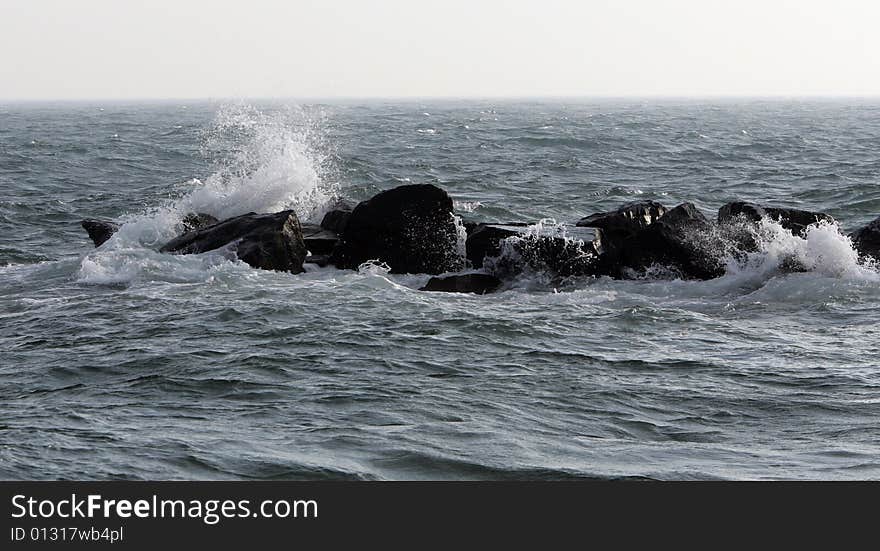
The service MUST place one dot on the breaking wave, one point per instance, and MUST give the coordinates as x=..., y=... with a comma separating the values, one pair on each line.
x=823, y=250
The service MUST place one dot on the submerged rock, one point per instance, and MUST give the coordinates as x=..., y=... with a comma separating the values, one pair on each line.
x=794, y=220
x=867, y=239
x=266, y=241
x=197, y=220
x=410, y=228
x=465, y=283
x=99, y=230
x=629, y=218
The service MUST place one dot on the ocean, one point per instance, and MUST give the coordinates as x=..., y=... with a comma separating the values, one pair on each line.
x=124, y=363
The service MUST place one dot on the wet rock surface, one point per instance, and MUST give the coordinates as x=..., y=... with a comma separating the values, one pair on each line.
x=99, y=230
x=197, y=220
x=794, y=220
x=629, y=218
x=410, y=228
x=266, y=241
x=867, y=239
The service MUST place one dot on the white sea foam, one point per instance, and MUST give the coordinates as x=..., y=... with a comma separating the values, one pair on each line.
x=467, y=206
x=374, y=267
x=460, y=241
x=823, y=250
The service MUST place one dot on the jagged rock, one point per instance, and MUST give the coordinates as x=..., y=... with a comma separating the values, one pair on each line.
x=794, y=220
x=465, y=283
x=336, y=217
x=867, y=239
x=630, y=217
x=682, y=239
x=318, y=240
x=410, y=228
x=267, y=241
x=197, y=220
x=99, y=230
x=619, y=247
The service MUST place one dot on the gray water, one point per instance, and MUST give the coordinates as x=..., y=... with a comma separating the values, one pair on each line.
x=122, y=362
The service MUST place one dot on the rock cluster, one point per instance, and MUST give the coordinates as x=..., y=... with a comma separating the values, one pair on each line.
x=413, y=229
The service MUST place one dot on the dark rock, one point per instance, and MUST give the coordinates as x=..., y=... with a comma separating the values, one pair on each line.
x=867, y=239
x=619, y=246
x=322, y=260
x=682, y=240
x=410, y=228
x=559, y=256
x=197, y=220
x=629, y=218
x=318, y=240
x=794, y=220
x=337, y=217
x=267, y=241
x=470, y=226
x=485, y=241
x=465, y=283
x=572, y=255
x=741, y=209
x=99, y=230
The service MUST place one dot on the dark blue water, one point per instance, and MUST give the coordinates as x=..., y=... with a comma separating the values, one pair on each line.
x=122, y=362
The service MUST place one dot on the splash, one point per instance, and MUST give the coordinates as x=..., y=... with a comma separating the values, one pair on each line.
x=278, y=161
x=263, y=162
x=543, y=254
x=374, y=267
x=460, y=242
x=467, y=206
x=823, y=250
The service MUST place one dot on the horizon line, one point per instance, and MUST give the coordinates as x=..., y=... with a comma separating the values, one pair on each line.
x=414, y=98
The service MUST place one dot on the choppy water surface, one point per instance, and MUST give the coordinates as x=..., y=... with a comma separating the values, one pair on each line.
x=123, y=362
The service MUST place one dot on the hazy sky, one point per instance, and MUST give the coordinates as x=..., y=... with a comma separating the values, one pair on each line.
x=77, y=49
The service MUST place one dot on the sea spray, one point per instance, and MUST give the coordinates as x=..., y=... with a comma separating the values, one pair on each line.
x=460, y=251
x=265, y=161
x=823, y=249
x=543, y=253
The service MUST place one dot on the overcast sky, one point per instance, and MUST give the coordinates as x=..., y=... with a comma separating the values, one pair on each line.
x=89, y=49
